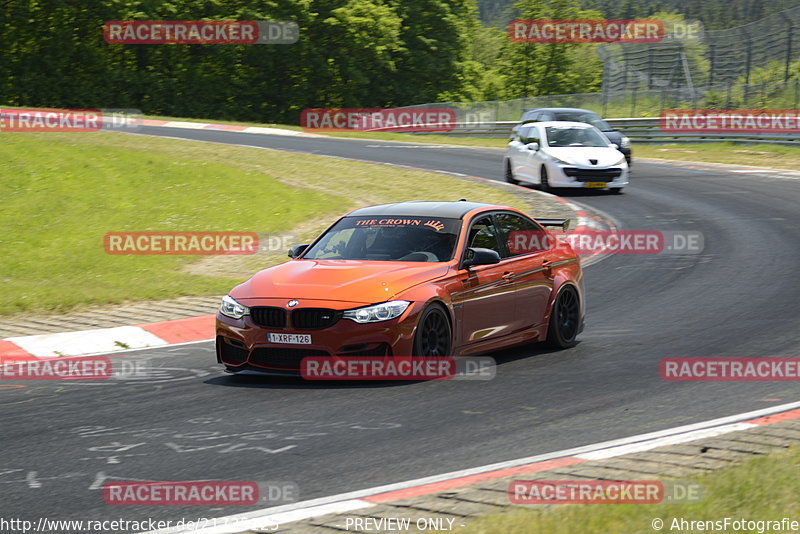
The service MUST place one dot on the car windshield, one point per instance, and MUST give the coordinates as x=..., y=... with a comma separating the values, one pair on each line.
x=582, y=116
x=574, y=136
x=388, y=238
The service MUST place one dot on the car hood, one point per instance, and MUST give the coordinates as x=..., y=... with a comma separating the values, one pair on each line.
x=605, y=156
x=352, y=281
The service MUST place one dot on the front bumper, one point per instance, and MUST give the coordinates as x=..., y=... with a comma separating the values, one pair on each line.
x=575, y=176
x=243, y=345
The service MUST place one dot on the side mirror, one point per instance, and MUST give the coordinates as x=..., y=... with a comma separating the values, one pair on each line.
x=615, y=145
x=481, y=256
x=533, y=146
x=296, y=250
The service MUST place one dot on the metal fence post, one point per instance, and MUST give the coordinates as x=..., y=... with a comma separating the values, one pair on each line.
x=748, y=59
x=796, y=92
x=711, y=60
x=789, y=33
x=627, y=67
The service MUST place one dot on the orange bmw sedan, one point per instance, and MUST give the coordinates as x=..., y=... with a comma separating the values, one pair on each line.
x=407, y=279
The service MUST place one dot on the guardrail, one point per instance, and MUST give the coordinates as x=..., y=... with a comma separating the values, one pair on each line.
x=639, y=130
x=646, y=130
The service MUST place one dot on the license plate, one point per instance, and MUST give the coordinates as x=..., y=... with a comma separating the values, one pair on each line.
x=596, y=184
x=290, y=339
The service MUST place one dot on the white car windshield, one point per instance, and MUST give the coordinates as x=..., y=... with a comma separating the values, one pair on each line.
x=574, y=136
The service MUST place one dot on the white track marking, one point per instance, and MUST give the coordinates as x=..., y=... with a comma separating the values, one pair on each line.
x=87, y=341
x=352, y=500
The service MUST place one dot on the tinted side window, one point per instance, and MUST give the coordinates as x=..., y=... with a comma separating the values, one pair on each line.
x=520, y=235
x=524, y=132
x=533, y=136
x=483, y=234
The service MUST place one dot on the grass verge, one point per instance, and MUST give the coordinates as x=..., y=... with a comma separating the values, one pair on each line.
x=774, y=156
x=60, y=193
x=764, y=488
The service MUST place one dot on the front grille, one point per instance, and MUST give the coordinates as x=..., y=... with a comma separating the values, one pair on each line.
x=268, y=316
x=314, y=318
x=282, y=358
x=593, y=175
x=230, y=353
x=365, y=350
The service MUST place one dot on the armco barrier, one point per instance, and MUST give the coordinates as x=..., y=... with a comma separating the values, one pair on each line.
x=640, y=130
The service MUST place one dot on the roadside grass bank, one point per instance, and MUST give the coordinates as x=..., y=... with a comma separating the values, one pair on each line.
x=774, y=156
x=764, y=488
x=60, y=193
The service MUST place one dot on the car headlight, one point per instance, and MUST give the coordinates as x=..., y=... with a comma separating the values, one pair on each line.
x=621, y=161
x=624, y=142
x=377, y=312
x=559, y=160
x=233, y=309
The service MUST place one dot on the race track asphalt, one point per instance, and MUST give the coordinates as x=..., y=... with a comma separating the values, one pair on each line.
x=739, y=297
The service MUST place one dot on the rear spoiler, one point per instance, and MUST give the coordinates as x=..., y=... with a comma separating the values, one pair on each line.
x=563, y=223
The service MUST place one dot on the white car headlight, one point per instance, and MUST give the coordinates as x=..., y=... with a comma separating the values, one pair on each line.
x=377, y=312
x=624, y=142
x=233, y=309
x=621, y=161
x=559, y=160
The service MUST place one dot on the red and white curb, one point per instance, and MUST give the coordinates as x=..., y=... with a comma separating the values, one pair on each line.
x=270, y=518
x=586, y=222
x=226, y=127
x=104, y=340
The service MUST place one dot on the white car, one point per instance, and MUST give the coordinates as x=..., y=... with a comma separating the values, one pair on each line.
x=565, y=154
